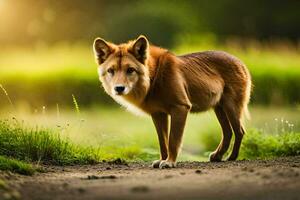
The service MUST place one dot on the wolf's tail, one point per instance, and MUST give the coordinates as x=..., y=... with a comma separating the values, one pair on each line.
x=245, y=111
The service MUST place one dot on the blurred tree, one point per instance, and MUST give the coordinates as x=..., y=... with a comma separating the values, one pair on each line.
x=258, y=19
x=28, y=22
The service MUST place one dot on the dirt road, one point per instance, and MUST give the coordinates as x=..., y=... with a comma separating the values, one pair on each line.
x=273, y=179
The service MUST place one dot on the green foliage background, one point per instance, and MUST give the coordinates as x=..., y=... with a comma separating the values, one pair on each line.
x=161, y=20
x=46, y=57
x=47, y=64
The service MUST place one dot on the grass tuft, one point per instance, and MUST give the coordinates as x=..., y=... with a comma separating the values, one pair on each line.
x=12, y=165
x=256, y=144
x=42, y=145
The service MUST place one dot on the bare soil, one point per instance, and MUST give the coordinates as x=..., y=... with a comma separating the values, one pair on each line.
x=260, y=179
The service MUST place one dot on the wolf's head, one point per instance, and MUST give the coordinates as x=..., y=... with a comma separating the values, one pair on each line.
x=123, y=68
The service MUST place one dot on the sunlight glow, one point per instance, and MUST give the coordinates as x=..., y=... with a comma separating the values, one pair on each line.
x=2, y=5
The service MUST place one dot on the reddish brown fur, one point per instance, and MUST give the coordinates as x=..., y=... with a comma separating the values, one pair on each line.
x=169, y=85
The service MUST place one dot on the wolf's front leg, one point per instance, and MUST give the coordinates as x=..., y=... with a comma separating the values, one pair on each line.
x=161, y=123
x=178, y=119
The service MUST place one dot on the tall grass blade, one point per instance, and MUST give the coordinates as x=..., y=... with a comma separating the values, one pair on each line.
x=57, y=111
x=7, y=96
x=76, y=104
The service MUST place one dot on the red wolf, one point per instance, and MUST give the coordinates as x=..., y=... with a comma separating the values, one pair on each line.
x=145, y=77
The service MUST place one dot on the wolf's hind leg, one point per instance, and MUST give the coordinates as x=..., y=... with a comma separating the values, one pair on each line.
x=217, y=155
x=234, y=116
x=161, y=123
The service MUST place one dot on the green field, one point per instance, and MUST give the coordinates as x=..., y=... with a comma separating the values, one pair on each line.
x=41, y=124
x=115, y=133
x=46, y=76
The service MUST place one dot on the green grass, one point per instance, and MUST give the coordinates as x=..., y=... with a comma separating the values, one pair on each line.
x=48, y=146
x=103, y=133
x=259, y=145
x=16, y=166
x=42, y=145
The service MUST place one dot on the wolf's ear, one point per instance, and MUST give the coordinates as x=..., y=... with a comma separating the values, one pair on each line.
x=102, y=50
x=140, y=49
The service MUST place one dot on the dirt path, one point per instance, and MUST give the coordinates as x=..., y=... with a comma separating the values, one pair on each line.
x=274, y=179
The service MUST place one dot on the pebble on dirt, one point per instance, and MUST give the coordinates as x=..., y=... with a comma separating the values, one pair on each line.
x=94, y=177
x=141, y=188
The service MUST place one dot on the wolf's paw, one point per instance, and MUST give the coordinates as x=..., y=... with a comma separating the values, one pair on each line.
x=215, y=157
x=156, y=163
x=166, y=164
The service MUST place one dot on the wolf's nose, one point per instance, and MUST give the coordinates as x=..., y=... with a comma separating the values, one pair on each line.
x=119, y=89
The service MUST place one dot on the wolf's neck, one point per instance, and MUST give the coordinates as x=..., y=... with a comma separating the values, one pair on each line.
x=156, y=57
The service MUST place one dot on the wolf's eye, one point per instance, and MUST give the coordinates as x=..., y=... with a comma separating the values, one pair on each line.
x=130, y=70
x=111, y=71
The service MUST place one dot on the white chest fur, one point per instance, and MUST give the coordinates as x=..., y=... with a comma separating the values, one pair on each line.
x=129, y=106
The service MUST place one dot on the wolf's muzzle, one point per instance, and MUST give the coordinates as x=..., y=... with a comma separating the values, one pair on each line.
x=119, y=89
